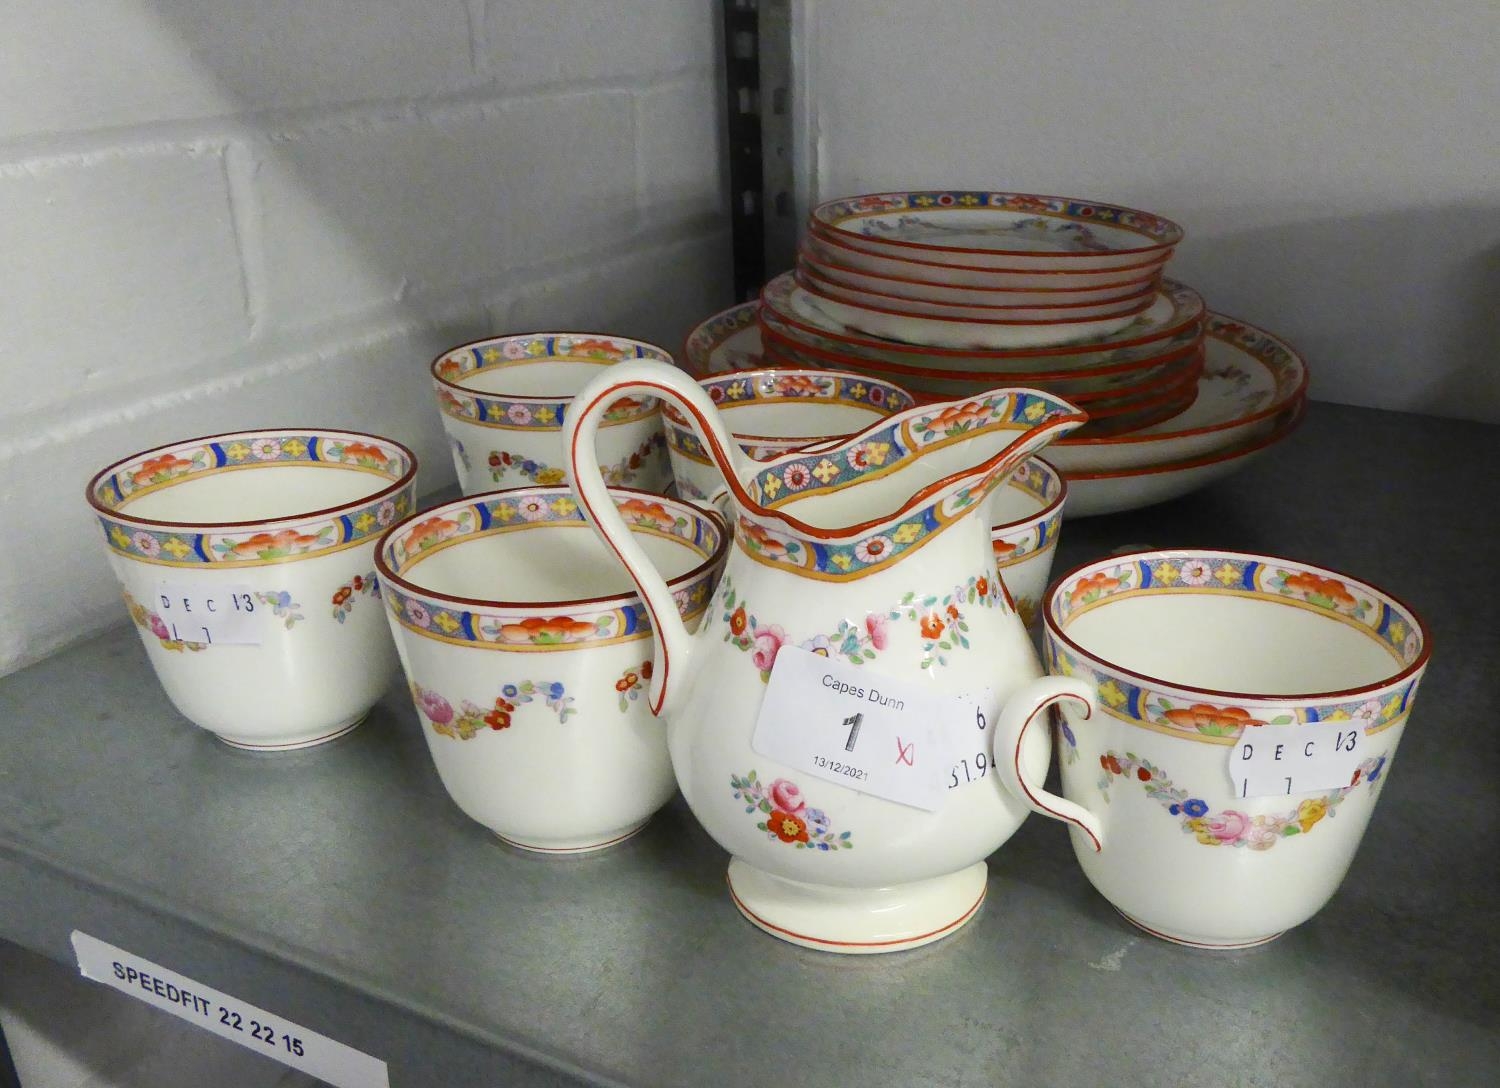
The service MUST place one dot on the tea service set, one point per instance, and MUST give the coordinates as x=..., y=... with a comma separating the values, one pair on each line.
x=666, y=578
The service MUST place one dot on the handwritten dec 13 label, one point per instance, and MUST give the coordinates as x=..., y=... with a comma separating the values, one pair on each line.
x=1303, y=757
x=890, y=738
x=229, y=1017
x=222, y=614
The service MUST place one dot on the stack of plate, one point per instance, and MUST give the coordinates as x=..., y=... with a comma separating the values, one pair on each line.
x=951, y=294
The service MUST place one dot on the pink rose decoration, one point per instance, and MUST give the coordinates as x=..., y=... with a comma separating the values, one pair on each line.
x=158, y=628
x=434, y=706
x=1229, y=827
x=768, y=643
x=875, y=625
x=786, y=796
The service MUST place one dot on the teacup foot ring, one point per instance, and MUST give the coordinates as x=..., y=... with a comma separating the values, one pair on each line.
x=1198, y=942
x=581, y=846
x=292, y=746
x=858, y=920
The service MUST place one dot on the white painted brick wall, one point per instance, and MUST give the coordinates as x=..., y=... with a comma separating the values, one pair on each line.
x=545, y=41
x=461, y=196
x=115, y=63
x=217, y=216
x=117, y=266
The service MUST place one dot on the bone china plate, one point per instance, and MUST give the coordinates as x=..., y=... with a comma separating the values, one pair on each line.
x=1249, y=377
x=997, y=230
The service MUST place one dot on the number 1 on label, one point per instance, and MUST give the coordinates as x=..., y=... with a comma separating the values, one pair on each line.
x=852, y=721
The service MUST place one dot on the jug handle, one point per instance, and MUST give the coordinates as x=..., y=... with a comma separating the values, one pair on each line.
x=1019, y=714
x=672, y=642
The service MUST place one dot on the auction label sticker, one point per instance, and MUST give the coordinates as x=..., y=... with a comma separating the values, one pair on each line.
x=846, y=724
x=1299, y=757
x=223, y=614
x=229, y=1017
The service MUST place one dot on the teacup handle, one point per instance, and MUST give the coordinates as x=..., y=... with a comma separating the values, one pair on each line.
x=673, y=643
x=1021, y=711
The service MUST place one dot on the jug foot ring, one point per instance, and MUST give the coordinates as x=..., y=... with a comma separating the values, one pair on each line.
x=295, y=745
x=584, y=845
x=858, y=920
x=1199, y=942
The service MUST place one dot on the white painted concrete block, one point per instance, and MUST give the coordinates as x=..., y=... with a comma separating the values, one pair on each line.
x=116, y=267
x=54, y=578
x=129, y=63
x=680, y=147
x=354, y=219
x=523, y=42
x=657, y=294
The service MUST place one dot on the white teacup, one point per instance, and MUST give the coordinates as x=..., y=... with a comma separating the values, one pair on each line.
x=771, y=412
x=528, y=653
x=247, y=562
x=1189, y=651
x=503, y=401
x=1027, y=513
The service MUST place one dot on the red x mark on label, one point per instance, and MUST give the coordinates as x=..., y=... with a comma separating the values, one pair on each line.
x=904, y=752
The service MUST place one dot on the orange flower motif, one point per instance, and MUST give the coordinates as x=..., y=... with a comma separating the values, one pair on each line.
x=953, y=613
x=786, y=827
x=1312, y=585
x=546, y=632
x=600, y=348
x=285, y=541
x=645, y=670
x=156, y=466
x=764, y=542
x=932, y=626
x=796, y=385
x=982, y=587
x=623, y=685
x=497, y=720
x=641, y=512
x=738, y=621
x=343, y=594
x=363, y=451
x=957, y=417
x=427, y=533
x=1094, y=583
x=1200, y=717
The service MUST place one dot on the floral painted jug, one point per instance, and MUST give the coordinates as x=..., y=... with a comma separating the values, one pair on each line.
x=872, y=551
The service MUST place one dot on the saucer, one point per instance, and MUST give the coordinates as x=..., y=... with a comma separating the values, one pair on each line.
x=1045, y=329
x=998, y=230
x=1112, y=492
x=1249, y=378
x=1171, y=321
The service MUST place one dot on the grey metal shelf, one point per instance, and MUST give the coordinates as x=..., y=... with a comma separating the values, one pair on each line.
x=340, y=888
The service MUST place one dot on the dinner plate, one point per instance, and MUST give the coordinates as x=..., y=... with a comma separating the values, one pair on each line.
x=1113, y=492
x=997, y=230
x=1171, y=322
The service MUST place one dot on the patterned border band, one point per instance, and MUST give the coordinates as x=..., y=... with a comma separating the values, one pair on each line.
x=1158, y=230
x=274, y=540
x=535, y=412
x=543, y=626
x=1221, y=719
